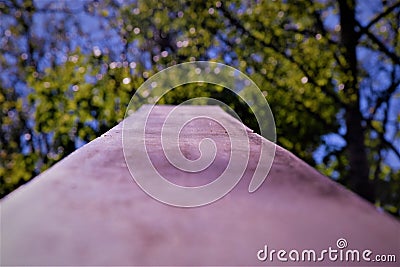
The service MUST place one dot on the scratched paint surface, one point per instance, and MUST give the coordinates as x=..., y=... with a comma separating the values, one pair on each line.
x=87, y=210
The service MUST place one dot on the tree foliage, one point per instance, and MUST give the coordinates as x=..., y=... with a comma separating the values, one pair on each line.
x=329, y=69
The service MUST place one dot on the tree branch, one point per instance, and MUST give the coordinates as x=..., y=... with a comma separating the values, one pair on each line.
x=384, y=98
x=300, y=66
x=395, y=58
x=384, y=141
x=392, y=147
x=381, y=15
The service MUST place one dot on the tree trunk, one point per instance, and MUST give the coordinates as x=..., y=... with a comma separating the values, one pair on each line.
x=358, y=179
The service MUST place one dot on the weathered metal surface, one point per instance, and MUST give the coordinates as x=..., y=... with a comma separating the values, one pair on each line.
x=87, y=210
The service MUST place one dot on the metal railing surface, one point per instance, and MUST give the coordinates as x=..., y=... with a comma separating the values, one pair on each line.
x=88, y=210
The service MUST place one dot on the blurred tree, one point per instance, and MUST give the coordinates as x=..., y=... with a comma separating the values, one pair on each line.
x=317, y=60
x=53, y=96
x=329, y=69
